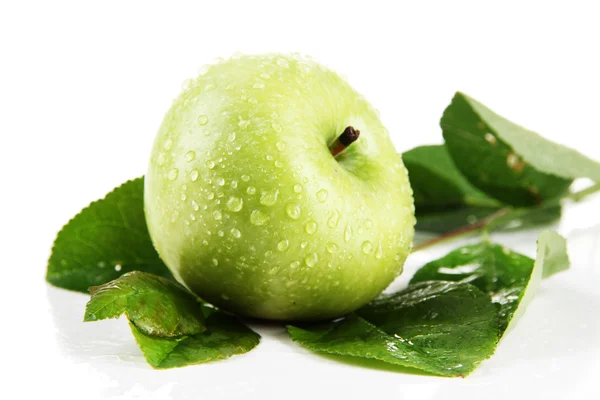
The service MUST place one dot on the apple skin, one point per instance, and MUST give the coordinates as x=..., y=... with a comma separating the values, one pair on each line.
x=249, y=209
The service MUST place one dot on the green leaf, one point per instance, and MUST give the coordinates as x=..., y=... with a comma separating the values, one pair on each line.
x=105, y=240
x=503, y=274
x=552, y=253
x=225, y=336
x=155, y=305
x=452, y=219
x=506, y=161
x=551, y=258
x=437, y=184
x=445, y=328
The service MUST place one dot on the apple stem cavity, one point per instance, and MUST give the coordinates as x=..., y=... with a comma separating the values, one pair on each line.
x=349, y=136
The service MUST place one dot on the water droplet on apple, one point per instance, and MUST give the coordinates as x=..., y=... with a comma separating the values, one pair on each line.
x=235, y=204
x=251, y=190
x=278, y=164
x=183, y=197
x=311, y=260
x=160, y=160
x=258, y=85
x=195, y=205
x=220, y=181
x=172, y=175
x=277, y=127
x=322, y=195
x=269, y=157
x=192, y=218
x=245, y=178
x=258, y=218
x=269, y=197
x=217, y=215
x=194, y=175
x=175, y=216
x=206, y=132
x=297, y=188
x=379, y=251
x=210, y=164
x=369, y=224
x=236, y=233
x=168, y=144
x=331, y=248
x=215, y=262
x=210, y=195
x=221, y=233
x=294, y=264
x=234, y=184
x=347, y=232
x=367, y=247
x=397, y=257
x=202, y=120
x=280, y=146
x=310, y=227
x=283, y=245
x=231, y=137
x=189, y=156
x=334, y=219
x=282, y=62
x=293, y=210
x=303, y=244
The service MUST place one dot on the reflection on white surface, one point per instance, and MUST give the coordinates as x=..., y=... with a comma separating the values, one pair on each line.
x=543, y=357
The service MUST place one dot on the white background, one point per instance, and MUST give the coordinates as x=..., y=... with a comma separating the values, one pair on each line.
x=84, y=86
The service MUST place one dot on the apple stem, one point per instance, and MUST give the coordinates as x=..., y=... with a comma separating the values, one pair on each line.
x=349, y=136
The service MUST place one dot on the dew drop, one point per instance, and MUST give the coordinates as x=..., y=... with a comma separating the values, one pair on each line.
x=347, y=232
x=367, y=247
x=258, y=85
x=310, y=227
x=210, y=195
x=251, y=190
x=236, y=233
x=280, y=146
x=234, y=184
x=210, y=164
x=369, y=224
x=220, y=181
x=379, y=251
x=294, y=264
x=297, y=188
x=173, y=174
x=194, y=175
x=278, y=164
x=269, y=157
x=245, y=178
x=235, y=204
x=195, y=205
x=269, y=197
x=183, y=197
x=206, y=132
x=311, y=260
x=276, y=127
x=491, y=139
x=334, y=219
x=221, y=233
x=265, y=75
x=322, y=195
x=202, y=120
x=217, y=215
x=258, y=218
x=282, y=62
x=283, y=245
x=189, y=156
x=293, y=210
x=160, y=160
x=215, y=262
x=168, y=144
x=331, y=248
x=118, y=267
x=231, y=137
x=303, y=244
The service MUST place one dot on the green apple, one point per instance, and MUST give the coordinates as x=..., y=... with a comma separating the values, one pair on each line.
x=249, y=208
